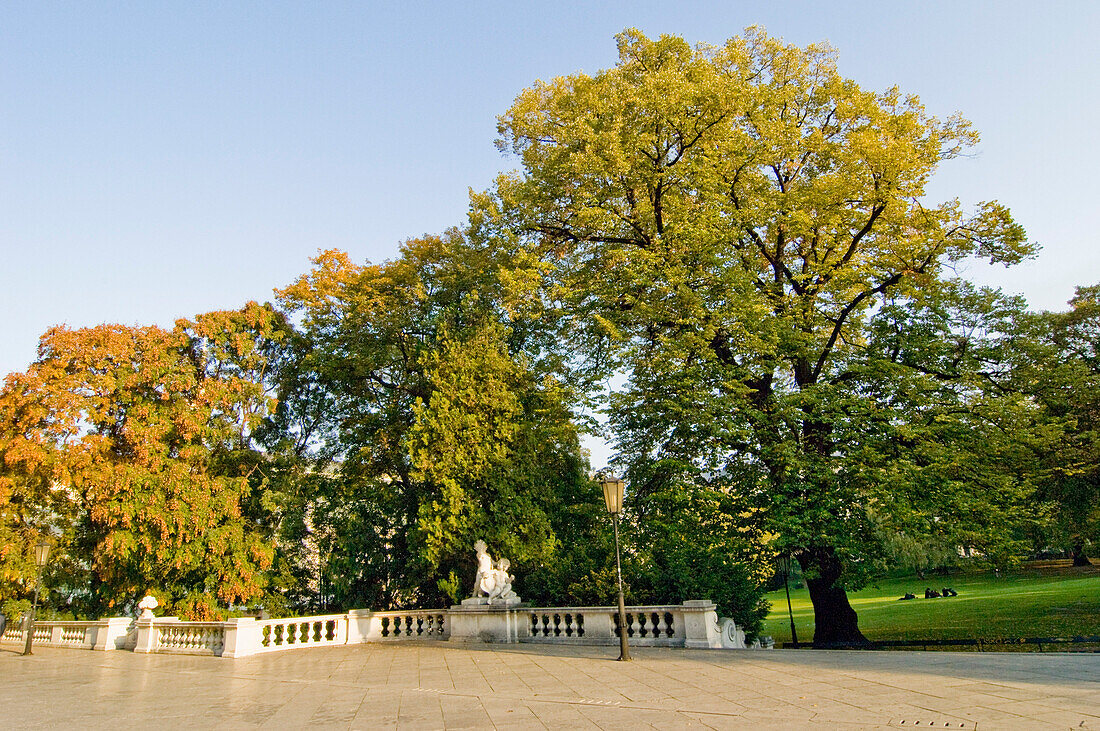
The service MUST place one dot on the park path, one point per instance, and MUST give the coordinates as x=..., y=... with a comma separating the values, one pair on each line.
x=447, y=686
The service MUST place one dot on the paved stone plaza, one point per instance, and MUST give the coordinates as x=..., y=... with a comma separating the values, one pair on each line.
x=436, y=686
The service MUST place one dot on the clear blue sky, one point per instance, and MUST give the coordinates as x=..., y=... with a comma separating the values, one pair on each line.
x=163, y=159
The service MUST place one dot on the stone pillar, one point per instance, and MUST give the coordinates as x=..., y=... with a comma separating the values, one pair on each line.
x=600, y=626
x=363, y=626
x=146, y=636
x=111, y=633
x=242, y=637
x=55, y=634
x=701, y=625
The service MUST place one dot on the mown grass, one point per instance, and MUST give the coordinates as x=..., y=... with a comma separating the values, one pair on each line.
x=1040, y=600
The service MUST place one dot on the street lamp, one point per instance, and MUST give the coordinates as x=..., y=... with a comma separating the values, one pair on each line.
x=41, y=555
x=785, y=565
x=613, y=497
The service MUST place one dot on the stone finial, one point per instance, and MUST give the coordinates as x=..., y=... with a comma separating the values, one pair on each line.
x=147, y=605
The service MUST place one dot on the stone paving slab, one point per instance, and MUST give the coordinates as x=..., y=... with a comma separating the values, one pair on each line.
x=447, y=686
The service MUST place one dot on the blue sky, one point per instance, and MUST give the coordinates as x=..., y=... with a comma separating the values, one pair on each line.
x=158, y=160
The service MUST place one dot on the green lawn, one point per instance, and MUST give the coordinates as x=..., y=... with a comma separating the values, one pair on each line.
x=1041, y=600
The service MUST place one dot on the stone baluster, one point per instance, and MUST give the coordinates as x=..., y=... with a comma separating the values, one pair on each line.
x=668, y=625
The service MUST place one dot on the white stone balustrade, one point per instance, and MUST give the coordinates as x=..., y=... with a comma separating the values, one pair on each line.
x=13, y=632
x=693, y=624
x=365, y=625
x=285, y=634
x=114, y=634
x=185, y=638
x=70, y=633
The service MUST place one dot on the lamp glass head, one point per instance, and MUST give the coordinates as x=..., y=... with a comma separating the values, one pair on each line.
x=613, y=493
x=41, y=553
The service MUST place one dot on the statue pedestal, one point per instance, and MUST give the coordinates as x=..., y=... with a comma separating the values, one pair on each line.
x=476, y=620
x=484, y=601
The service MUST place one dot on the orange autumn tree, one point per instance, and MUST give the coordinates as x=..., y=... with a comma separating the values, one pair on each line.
x=135, y=445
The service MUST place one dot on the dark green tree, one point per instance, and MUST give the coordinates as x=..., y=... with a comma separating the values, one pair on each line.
x=1061, y=368
x=451, y=424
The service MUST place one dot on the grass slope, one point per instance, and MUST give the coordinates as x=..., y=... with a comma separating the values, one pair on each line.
x=1040, y=600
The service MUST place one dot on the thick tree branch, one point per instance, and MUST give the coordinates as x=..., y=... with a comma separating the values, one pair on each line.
x=838, y=325
x=850, y=251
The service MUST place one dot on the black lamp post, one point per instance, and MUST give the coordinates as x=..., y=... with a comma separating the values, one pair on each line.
x=613, y=496
x=41, y=555
x=785, y=563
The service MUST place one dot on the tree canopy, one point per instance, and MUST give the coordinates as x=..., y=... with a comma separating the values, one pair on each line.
x=737, y=223
x=133, y=445
x=450, y=427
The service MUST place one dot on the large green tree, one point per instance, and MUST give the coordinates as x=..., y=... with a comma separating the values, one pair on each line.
x=448, y=423
x=728, y=222
x=1060, y=366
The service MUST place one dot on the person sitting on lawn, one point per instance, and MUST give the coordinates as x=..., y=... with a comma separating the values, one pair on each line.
x=948, y=591
x=907, y=596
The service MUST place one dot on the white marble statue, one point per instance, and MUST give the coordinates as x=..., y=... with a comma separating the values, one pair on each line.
x=503, y=588
x=493, y=581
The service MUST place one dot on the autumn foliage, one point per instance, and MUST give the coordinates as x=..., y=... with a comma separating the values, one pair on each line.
x=126, y=438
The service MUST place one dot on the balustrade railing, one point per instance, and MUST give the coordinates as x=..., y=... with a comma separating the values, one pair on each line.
x=189, y=638
x=413, y=624
x=650, y=624
x=284, y=634
x=424, y=625
x=74, y=636
x=691, y=624
x=70, y=633
x=646, y=626
x=553, y=623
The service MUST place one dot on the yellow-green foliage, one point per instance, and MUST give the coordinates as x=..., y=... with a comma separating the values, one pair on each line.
x=466, y=430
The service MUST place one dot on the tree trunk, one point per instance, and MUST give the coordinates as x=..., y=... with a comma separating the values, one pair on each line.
x=835, y=621
x=1079, y=556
